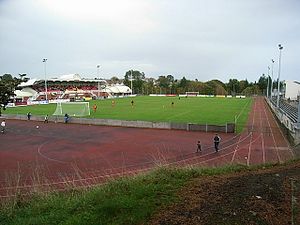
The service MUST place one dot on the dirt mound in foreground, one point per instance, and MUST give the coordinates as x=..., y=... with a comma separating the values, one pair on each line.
x=253, y=197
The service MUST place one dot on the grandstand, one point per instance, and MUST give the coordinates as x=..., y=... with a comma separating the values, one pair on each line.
x=288, y=103
x=71, y=87
x=290, y=110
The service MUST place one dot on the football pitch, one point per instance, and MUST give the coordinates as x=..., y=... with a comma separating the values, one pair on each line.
x=217, y=111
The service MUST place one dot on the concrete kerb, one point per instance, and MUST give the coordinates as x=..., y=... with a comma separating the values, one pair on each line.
x=230, y=128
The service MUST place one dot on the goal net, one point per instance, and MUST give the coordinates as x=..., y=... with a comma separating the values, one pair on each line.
x=72, y=108
x=192, y=93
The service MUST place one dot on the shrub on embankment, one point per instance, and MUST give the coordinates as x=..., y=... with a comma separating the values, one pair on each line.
x=130, y=200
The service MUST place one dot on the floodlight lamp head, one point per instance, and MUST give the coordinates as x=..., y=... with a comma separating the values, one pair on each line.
x=280, y=47
x=272, y=60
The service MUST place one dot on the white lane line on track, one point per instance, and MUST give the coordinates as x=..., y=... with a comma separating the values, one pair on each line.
x=274, y=141
x=237, y=146
x=120, y=173
x=262, y=139
x=286, y=141
x=250, y=143
x=261, y=133
x=221, y=156
x=236, y=149
x=263, y=148
x=249, y=150
x=207, y=154
x=135, y=171
x=39, y=150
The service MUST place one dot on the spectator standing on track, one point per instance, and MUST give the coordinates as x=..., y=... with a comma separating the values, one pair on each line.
x=67, y=118
x=3, y=124
x=46, y=120
x=217, y=140
x=199, y=148
x=28, y=115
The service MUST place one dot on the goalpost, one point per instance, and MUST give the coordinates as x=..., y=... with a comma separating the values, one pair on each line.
x=72, y=109
x=192, y=93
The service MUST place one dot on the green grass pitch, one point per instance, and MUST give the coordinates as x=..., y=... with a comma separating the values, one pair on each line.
x=199, y=110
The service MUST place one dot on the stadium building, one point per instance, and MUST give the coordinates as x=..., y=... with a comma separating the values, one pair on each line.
x=292, y=90
x=68, y=87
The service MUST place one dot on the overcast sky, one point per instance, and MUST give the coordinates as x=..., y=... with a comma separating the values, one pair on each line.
x=198, y=39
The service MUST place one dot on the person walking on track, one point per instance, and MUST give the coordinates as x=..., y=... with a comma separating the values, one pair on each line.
x=217, y=140
x=46, y=120
x=66, y=118
x=199, y=149
x=28, y=115
x=3, y=124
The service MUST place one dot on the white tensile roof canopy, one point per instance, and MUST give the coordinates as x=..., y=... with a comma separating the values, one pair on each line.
x=117, y=89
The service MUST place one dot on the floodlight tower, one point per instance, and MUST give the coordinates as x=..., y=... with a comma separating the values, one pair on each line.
x=268, y=90
x=272, y=77
x=279, y=67
x=131, y=82
x=45, y=66
x=98, y=66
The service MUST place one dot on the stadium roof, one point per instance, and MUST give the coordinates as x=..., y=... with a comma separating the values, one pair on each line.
x=26, y=92
x=117, y=89
x=67, y=77
x=28, y=83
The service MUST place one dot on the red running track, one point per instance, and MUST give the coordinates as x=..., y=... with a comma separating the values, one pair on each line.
x=63, y=155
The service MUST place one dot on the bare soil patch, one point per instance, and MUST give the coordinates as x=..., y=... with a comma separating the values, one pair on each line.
x=253, y=197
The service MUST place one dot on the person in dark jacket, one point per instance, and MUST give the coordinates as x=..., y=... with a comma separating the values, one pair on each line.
x=199, y=148
x=67, y=118
x=217, y=141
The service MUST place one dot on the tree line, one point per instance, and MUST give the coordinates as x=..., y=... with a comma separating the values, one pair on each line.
x=164, y=84
x=167, y=84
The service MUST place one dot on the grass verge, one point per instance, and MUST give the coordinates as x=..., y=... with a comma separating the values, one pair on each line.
x=130, y=200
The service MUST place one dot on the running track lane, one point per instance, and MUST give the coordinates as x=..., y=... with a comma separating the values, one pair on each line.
x=266, y=143
x=64, y=155
x=260, y=142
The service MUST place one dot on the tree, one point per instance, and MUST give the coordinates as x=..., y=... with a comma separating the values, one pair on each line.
x=114, y=80
x=263, y=83
x=243, y=84
x=216, y=88
x=252, y=90
x=170, y=79
x=233, y=86
x=8, y=84
x=137, y=80
x=183, y=84
x=163, y=83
